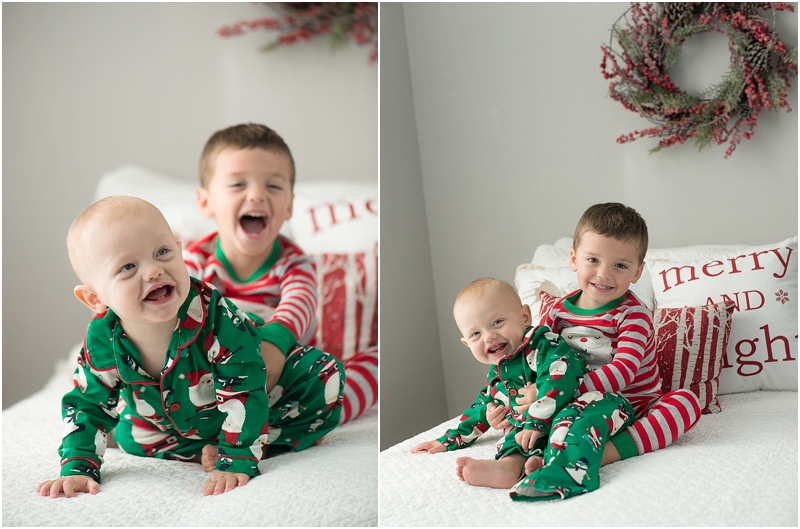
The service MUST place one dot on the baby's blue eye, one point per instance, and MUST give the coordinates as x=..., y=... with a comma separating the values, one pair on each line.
x=162, y=252
x=497, y=322
x=127, y=267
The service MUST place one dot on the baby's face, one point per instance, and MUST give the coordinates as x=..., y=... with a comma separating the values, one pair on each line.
x=492, y=326
x=250, y=197
x=136, y=268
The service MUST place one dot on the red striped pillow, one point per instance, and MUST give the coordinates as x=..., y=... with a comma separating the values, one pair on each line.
x=347, y=307
x=690, y=343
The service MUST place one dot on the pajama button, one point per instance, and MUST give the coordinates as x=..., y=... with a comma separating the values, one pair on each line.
x=513, y=392
x=174, y=407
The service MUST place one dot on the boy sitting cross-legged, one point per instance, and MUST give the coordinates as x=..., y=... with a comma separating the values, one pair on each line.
x=247, y=177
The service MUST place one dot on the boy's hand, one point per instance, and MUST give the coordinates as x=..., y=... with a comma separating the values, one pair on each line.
x=219, y=482
x=496, y=416
x=528, y=397
x=526, y=438
x=275, y=361
x=432, y=447
x=70, y=485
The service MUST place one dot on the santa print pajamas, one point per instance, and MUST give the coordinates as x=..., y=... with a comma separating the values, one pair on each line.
x=633, y=372
x=211, y=390
x=281, y=298
x=543, y=358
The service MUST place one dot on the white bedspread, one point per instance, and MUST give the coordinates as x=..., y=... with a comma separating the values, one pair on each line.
x=735, y=468
x=333, y=484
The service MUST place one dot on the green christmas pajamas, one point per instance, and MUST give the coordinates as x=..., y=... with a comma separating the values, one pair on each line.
x=211, y=390
x=543, y=358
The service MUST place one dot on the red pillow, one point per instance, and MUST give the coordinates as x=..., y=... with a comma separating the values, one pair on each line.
x=690, y=343
x=347, y=306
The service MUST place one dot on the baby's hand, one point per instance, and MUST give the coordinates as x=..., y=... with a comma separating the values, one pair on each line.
x=528, y=397
x=496, y=416
x=70, y=485
x=526, y=438
x=432, y=447
x=219, y=482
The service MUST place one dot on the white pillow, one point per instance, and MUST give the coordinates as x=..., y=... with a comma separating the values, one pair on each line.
x=173, y=196
x=762, y=282
x=336, y=217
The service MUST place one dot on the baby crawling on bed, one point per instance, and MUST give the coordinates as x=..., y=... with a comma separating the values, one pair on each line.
x=496, y=326
x=186, y=360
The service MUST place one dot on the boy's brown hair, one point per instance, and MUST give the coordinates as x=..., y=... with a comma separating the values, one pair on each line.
x=615, y=220
x=244, y=136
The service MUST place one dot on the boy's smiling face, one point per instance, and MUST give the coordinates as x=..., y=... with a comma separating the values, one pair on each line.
x=250, y=197
x=606, y=267
x=492, y=325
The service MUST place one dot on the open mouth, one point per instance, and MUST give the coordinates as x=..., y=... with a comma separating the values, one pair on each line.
x=253, y=223
x=159, y=294
x=498, y=349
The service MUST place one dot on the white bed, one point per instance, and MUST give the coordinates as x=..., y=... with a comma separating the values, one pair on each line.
x=334, y=484
x=736, y=467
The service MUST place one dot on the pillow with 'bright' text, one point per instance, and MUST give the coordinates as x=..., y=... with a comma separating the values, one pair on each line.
x=761, y=282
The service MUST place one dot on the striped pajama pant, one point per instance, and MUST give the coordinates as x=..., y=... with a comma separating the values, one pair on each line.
x=666, y=419
x=361, y=384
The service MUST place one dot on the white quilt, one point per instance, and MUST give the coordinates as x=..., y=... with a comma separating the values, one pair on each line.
x=735, y=468
x=333, y=484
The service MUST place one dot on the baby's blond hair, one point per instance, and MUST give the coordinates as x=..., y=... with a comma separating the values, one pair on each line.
x=486, y=286
x=107, y=210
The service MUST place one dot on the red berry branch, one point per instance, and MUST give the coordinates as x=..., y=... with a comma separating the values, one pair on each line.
x=650, y=41
x=340, y=22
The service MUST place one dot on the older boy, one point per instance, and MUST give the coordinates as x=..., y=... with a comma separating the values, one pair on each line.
x=608, y=252
x=247, y=176
x=495, y=326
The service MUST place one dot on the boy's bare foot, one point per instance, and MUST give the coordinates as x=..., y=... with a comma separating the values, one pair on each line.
x=209, y=458
x=499, y=474
x=533, y=463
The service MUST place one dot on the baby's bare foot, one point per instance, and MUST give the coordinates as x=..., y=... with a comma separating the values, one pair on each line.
x=532, y=464
x=209, y=458
x=498, y=474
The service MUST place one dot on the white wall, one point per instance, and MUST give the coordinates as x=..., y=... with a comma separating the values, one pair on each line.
x=88, y=87
x=517, y=138
x=412, y=390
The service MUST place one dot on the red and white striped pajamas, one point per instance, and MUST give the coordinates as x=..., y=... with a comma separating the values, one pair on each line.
x=632, y=371
x=283, y=292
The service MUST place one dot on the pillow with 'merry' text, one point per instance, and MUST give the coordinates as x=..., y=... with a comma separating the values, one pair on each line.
x=761, y=282
x=336, y=223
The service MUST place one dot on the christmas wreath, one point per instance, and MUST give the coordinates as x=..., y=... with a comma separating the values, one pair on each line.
x=338, y=21
x=650, y=42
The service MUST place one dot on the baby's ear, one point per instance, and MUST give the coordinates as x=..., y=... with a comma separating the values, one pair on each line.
x=527, y=319
x=89, y=297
